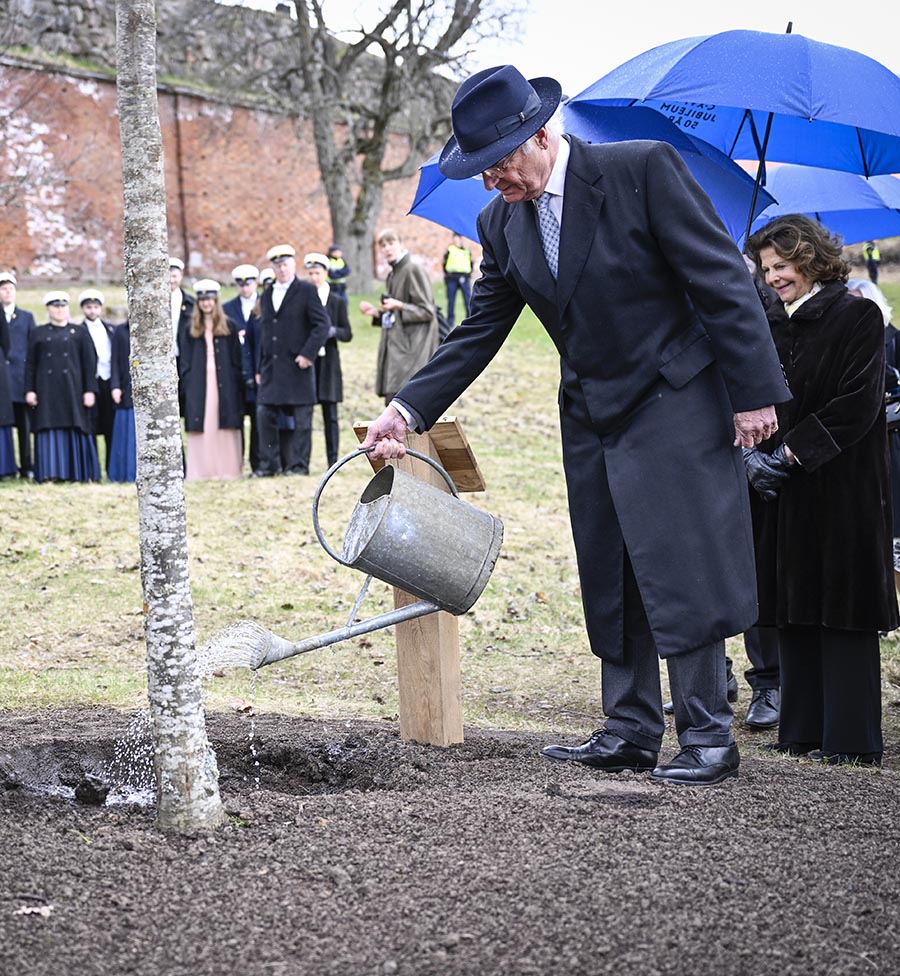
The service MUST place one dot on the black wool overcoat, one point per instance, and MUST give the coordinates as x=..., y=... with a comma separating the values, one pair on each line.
x=192, y=366
x=298, y=328
x=61, y=366
x=20, y=328
x=120, y=367
x=329, y=378
x=7, y=416
x=823, y=547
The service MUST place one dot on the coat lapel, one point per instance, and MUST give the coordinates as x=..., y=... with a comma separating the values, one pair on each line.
x=582, y=204
x=524, y=242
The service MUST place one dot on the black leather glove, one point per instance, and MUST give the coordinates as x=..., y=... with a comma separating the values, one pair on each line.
x=767, y=472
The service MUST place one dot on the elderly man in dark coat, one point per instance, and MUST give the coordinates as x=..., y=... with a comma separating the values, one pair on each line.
x=667, y=367
x=293, y=327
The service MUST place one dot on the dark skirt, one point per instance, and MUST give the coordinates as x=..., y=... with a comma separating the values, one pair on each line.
x=7, y=453
x=65, y=454
x=123, y=453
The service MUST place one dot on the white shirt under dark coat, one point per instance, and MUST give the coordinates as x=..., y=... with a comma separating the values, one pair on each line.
x=103, y=346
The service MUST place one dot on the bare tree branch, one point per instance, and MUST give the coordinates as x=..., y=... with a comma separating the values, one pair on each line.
x=372, y=91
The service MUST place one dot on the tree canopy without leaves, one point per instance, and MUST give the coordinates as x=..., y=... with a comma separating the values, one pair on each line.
x=364, y=86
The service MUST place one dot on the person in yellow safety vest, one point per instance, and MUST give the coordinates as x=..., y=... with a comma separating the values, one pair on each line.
x=338, y=270
x=457, y=276
x=873, y=259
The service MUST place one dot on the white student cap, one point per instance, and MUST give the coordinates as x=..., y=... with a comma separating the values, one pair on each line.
x=280, y=252
x=206, y=287
x=244, y=273
x=90, y=295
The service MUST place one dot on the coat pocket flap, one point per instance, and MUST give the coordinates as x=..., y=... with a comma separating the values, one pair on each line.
x=688, y=361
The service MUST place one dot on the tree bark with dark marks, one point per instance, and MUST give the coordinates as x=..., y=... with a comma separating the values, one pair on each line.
x=184, y=763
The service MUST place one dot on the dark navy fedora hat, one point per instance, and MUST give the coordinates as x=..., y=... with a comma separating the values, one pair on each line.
x=493, y=113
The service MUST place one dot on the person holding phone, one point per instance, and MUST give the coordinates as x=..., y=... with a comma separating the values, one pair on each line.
x=407, y=318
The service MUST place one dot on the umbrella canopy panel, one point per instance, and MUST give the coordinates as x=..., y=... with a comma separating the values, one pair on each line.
x=728, y=186
x=831, y=106
x=455, y=204
x=857, y=208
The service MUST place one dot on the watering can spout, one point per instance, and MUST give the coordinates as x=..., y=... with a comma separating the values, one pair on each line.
x=404, y=532
x=273, y=648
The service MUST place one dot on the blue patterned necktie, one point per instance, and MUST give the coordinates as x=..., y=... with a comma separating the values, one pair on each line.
x=549, y=227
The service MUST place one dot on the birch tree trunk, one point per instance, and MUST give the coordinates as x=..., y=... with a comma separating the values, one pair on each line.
x=185, y=765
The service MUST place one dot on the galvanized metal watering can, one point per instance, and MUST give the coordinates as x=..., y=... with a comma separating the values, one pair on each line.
x=412, y=535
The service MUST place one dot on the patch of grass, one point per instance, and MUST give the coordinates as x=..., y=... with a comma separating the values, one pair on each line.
x=60, y=59
x=71, y=630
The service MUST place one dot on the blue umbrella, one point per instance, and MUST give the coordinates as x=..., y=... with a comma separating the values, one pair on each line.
x=857, y=208
x=728, y=186
x=456, y=203
x=762, y=96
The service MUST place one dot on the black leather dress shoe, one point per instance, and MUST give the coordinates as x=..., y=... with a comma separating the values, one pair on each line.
x=700, y=766
x=604, y=750
x=845, y=758
x=764, y=710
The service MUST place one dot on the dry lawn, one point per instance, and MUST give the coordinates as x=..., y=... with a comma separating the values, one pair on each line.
x=71, y=628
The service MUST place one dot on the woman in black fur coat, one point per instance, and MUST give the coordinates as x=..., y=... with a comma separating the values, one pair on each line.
x=822, y=523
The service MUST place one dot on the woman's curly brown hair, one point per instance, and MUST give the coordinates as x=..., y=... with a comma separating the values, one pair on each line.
x=811, y=248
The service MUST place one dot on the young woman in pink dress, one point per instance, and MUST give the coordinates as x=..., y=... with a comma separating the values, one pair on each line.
x=210, y=373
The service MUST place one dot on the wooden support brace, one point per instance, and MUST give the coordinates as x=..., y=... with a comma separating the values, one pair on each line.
x=428, y=669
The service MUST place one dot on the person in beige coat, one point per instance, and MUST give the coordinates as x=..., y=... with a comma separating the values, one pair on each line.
x=407, y=318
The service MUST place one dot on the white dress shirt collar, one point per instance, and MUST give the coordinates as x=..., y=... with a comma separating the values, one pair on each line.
x=556, y=185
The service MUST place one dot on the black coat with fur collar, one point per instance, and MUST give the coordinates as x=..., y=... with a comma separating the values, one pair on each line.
x=824, y=546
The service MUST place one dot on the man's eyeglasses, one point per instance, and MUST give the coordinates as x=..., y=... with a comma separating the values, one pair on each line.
x=498, y=169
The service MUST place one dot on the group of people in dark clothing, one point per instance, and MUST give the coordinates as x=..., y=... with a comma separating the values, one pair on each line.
x=270, y=353
x=63, y=385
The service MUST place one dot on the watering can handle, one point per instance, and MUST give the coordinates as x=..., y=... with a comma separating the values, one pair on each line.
x=349, y=457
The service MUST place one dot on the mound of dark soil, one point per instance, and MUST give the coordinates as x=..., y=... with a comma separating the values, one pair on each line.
x=349, y=851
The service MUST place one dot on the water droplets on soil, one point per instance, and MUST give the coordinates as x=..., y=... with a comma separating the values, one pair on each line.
x=130, y=771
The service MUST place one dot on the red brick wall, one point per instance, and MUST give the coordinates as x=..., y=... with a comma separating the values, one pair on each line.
x=247, y=182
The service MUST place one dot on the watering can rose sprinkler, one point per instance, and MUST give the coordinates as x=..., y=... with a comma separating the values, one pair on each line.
x=403, y=531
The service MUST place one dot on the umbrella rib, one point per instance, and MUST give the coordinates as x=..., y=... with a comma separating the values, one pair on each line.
x=760, y=169
x=862, y=153
x=748, y=114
